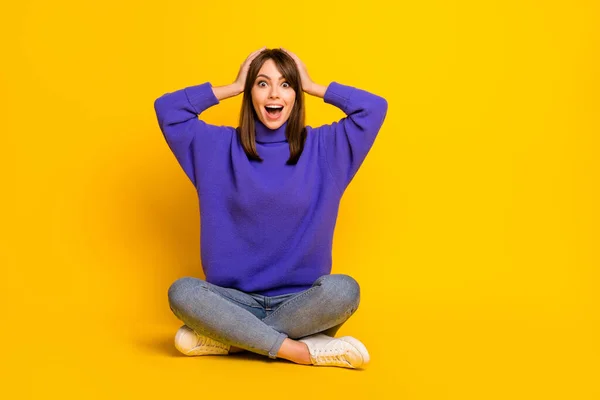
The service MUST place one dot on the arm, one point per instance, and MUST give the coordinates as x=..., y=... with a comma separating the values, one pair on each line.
x=177, y=115
x=316, y=90
x=347, y=142
x=224, y=92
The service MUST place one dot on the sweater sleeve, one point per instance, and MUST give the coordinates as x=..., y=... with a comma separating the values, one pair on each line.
x=177, y=115
x=347, y=142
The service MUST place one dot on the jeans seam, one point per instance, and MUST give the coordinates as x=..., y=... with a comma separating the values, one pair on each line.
x=225, y=294
x=218, y=337
x=293, y=300
x=201, y=331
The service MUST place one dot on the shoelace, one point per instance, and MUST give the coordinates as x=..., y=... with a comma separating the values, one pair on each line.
x=205, y=341
x=322, y=356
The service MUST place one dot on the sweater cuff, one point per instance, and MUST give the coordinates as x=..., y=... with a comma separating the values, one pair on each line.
x=338, y=94
x=201, y=97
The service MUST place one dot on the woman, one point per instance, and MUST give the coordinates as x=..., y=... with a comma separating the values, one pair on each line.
x=269, y=193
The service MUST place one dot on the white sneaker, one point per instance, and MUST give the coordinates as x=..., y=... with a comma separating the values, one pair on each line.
x=339, y=352
x=191, y=343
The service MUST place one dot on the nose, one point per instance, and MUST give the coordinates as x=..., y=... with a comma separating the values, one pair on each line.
x=274, y=92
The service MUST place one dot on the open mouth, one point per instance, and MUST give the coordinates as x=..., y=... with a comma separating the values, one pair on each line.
x=274, y=112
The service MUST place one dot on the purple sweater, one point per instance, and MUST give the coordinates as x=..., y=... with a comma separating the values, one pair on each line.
x=267, y=227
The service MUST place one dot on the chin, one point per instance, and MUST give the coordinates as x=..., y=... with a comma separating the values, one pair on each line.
x=274, y=124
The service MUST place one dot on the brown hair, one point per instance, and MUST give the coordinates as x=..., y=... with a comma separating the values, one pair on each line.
x=295, y=132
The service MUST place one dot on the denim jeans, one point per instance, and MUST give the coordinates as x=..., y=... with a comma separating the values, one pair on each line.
x=261, y=323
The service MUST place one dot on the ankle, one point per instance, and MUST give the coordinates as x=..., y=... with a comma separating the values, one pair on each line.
x=303, y=354
x=294, y=351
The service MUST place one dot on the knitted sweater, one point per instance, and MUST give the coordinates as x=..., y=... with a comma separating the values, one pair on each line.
x=267, y=227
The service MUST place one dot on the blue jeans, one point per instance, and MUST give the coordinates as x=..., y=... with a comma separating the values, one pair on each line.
x=261, y=323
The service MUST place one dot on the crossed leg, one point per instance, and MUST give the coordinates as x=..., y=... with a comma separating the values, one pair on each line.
x=322, y=308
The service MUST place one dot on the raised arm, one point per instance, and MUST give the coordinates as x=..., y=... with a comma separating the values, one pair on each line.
x=177, y=115
x=347, y=142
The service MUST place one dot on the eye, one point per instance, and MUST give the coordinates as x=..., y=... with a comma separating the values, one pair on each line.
x=284, y=84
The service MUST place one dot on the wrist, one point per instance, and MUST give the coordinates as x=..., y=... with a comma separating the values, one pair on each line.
x=315, y=89
x=237, y=87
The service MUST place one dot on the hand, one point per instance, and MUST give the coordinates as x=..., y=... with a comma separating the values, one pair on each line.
x=307, y=83
x=240, y=81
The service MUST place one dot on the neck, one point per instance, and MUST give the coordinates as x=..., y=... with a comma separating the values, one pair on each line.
x=266, y=135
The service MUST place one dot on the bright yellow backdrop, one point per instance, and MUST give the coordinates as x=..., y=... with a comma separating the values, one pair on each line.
x=472, y=227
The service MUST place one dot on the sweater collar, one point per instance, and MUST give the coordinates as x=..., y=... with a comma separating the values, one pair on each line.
x=266, y=135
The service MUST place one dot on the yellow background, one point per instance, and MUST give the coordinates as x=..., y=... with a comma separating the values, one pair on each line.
x=472, y=226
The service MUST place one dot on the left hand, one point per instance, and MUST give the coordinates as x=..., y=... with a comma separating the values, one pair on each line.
x=307, y=83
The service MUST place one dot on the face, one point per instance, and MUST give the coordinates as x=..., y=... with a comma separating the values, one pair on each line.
x=271, y=89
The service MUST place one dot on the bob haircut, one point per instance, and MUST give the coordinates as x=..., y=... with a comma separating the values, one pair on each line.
x=295, y=132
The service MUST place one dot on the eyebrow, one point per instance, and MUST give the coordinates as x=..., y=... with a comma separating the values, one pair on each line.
x=280, y=78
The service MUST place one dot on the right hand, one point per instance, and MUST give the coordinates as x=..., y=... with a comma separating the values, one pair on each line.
x=240, y=81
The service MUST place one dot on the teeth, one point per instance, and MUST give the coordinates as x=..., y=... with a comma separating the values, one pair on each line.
x=274, y=106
